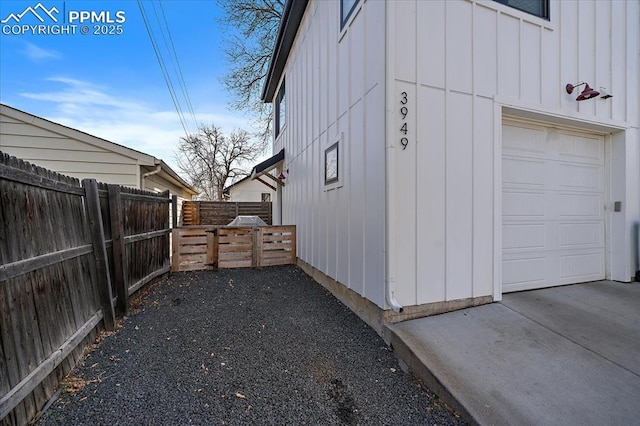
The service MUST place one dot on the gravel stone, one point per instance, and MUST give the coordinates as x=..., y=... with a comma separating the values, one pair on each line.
x=244, y=346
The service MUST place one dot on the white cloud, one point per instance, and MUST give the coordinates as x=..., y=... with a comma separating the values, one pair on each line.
x=129, y=122
x=38, y=54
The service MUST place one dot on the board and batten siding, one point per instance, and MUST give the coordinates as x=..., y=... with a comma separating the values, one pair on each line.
x=335, y=91
x=66, y=155
x=460, y=62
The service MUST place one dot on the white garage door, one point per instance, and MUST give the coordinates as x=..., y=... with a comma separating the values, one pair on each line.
x=553, y=229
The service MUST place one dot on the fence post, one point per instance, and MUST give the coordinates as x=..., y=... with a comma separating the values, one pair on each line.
x=294, y=248
x=212, y=248
x=256, y=262
x=175, y=250
x=100, y=252
x=174, y=211
x=117, y=235
x=166, y=256
x=215, y=252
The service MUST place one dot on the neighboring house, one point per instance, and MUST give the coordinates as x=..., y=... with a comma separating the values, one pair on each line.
x=249, y=190
x=434, y=158
x=80, y=155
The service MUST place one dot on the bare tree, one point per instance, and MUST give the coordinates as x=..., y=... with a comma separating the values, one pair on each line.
x=209, y=158
x=253, y=26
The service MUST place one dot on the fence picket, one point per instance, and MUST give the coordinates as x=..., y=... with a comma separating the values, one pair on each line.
x=100, y=252
x=117, y=238
x=174, y=211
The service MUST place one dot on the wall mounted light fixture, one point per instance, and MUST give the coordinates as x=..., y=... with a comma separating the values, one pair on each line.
x=587, y=93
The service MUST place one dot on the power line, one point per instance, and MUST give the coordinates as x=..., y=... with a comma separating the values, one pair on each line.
x=163, y=67
x=179, y=72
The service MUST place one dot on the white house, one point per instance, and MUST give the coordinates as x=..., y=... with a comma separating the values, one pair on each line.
x=81, y=155
x=434, y=158
x=250, y=190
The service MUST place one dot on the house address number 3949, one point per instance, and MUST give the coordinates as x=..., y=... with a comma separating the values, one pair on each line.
x=404, y=141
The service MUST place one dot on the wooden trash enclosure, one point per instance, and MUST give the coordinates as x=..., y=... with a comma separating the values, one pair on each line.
x=210, y=247
x=189, y=251
x=276, y=246
x=233, y=247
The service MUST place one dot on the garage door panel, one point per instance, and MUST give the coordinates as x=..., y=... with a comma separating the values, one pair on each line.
x=552, y=208
x=520, y=140
x=580, y=235
x=523, y=204
x=523, y=236
x=581, y=149
x=524, y=270
x=522, y=171
x=580, y=205
x=582, y=266
x=579, y=177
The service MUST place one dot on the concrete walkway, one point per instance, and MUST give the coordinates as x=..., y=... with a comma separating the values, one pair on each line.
x=564, y=355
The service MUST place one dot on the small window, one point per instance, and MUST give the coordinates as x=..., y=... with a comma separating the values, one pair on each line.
x=331, y=164
x=535, y=7
x=346, y=9
x=280, y=109
x=266, y=197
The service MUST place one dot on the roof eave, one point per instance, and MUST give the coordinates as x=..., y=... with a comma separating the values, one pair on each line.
x=291, y=19
x=267, y=165
x=181, y=182
x=227, y=188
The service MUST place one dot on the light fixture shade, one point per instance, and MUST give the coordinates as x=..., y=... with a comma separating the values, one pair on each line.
x=587, y=93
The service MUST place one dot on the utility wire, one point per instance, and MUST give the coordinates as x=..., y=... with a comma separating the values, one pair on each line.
x=183, y=85
x=165, y=73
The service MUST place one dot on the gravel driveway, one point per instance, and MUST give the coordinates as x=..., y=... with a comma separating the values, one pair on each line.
x=244, y=346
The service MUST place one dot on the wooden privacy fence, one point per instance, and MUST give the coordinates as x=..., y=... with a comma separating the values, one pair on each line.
x=69, y=254
x=209, y=247
x=222, y=212
x=137, y=238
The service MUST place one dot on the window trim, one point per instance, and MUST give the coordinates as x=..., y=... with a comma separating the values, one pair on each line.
x=546, y=12
x=334, y=147
x=328, y=144
x=281, y=97
x=345, y=18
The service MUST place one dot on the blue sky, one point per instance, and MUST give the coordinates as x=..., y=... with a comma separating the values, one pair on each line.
x=111, y=85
